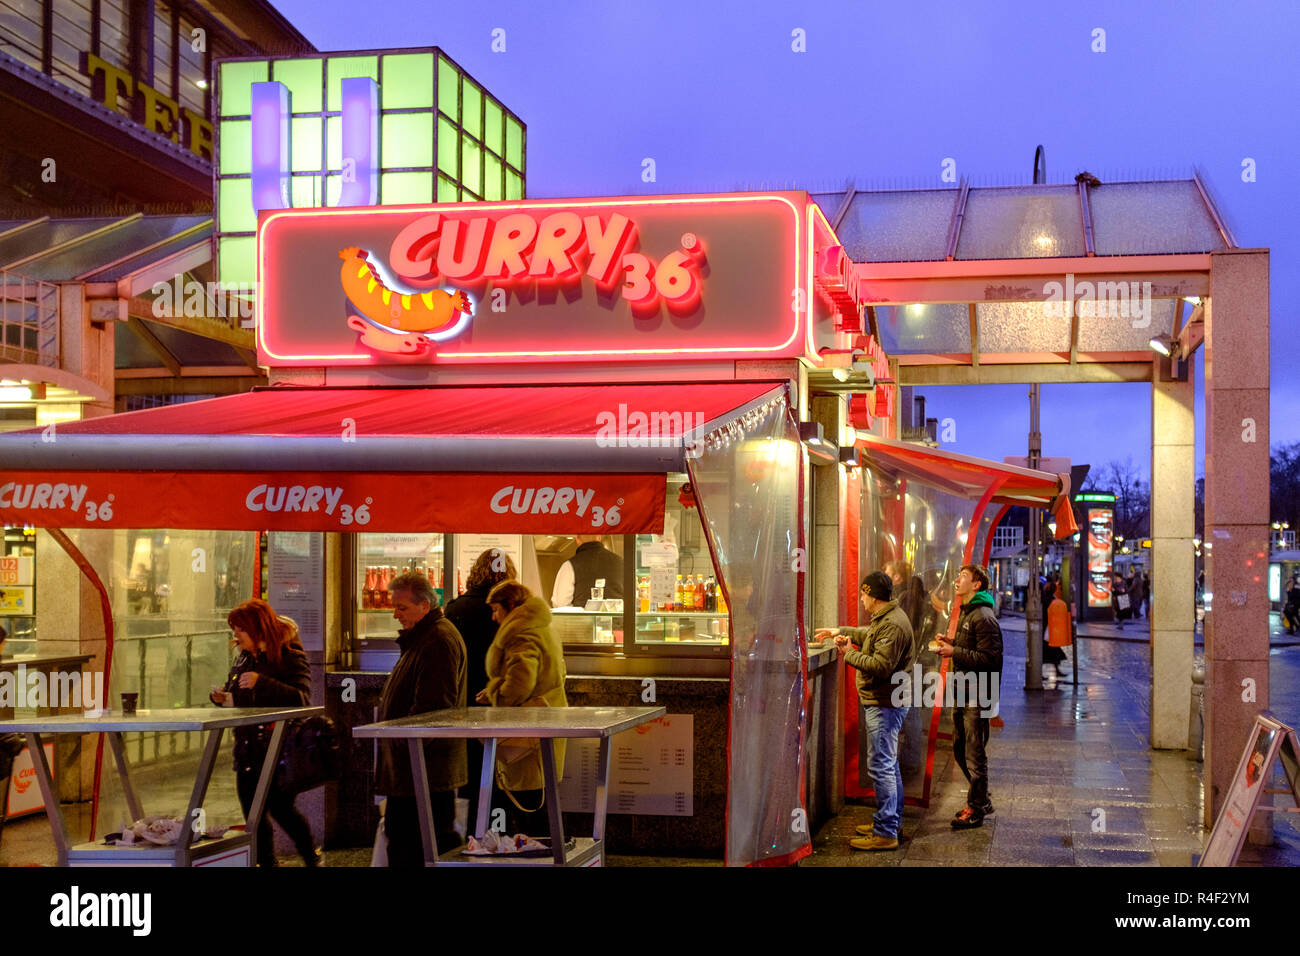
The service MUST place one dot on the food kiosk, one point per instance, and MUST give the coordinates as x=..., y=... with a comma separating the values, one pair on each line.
x=451, y=378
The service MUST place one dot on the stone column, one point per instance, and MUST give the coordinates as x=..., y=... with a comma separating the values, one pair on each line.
x=1236, y=516
x=1173, y=568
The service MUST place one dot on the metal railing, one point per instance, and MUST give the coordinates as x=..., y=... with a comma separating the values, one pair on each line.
x=170, y=671
x=29, y=320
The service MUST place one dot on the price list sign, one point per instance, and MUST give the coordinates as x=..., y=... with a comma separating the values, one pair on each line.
x=652, y=770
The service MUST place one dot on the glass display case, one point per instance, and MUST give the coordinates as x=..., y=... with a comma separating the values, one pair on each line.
x=380, y=558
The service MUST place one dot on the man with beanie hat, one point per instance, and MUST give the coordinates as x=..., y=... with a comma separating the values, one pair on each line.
x=976, y=654
x=879, y=652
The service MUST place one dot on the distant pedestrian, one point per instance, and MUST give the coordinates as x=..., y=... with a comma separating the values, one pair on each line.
x=1136, y=593
x=1053, y=656
x=1291, y=609
x=976, y=654
x=1119, y=600
x=1146, y=593
x=1060, y=631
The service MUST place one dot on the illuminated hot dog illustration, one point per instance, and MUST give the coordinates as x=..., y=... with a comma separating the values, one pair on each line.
x=422, y=312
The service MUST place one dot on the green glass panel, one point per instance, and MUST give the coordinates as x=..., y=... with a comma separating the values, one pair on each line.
x=236, y=80
x=334, y=142
x=471, y=101
x=514, y=185
x=446, y=190
x=306, y=144
x=491, y=177
x=304, y=79
x=492, y=126
x=448, y=139
x=235, y=211
x=236, y=258
x=235, y=146
x=470, y=171
x=342, y=66
x=333, y=189
x=514, y=143
x=407, y=140
x=306, y=192
x=397, y=188
x=408, y=81
x=448, y=93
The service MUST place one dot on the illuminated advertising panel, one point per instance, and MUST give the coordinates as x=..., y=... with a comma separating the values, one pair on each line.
x=1100, y=552
x=618, y=279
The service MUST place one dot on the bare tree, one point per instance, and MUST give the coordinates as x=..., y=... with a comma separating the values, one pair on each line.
x=1132, y=497
x=1284, y=484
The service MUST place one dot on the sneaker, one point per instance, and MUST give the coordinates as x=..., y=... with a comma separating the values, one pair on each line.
x=988, y=810
x=968, y=819
x=866, y=830
x=874, y=842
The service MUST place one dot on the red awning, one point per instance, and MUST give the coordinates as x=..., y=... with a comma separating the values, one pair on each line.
x=531, y=459
x=970, y=477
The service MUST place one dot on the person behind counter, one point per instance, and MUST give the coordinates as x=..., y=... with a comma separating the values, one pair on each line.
x=473, y=618
x=577, y=576
x=525, y=667
x=270, y=671
x=429, y=675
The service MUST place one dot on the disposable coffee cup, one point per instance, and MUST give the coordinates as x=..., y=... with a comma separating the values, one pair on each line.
x=128, y=703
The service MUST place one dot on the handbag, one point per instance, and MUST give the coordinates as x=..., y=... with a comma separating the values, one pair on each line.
x=379, y=855
x=511, y=750
x=311, y=755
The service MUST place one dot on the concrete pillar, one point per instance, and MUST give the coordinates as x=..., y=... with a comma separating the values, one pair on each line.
x=1236, y=515
x=1173, y=571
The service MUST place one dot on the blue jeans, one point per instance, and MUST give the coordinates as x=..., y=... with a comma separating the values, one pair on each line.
x=882, y=725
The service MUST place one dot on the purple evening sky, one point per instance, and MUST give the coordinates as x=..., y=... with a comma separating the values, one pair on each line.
x=714, y=93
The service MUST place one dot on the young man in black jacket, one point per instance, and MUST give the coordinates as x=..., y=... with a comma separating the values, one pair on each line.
x=976, y=654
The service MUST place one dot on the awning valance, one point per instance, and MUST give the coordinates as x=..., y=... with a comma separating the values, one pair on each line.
x=531, y=459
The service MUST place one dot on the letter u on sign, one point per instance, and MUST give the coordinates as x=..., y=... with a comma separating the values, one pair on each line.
x=271, y=108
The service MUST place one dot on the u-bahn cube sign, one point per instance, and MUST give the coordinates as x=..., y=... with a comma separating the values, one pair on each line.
x=659, y=278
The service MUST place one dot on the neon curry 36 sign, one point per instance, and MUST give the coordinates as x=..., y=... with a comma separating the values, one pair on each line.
x=619, y=279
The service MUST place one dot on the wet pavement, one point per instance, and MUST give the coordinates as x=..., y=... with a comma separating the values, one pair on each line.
x=1073, y=781
x=1072, y=778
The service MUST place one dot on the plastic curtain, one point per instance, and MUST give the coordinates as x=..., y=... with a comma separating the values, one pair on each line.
x=748, y=482
x=917, y=533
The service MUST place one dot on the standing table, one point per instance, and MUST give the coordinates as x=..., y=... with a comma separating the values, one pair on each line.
x=229, y=849
x=493, y=723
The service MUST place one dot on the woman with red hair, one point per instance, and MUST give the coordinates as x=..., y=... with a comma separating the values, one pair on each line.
x=270, y=671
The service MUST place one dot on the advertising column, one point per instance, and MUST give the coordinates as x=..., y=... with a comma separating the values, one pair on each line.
x=1100, y=544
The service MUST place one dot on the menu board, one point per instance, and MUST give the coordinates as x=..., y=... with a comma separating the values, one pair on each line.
x=470, y=546
x=652, y=770
x=1269, y=739
x=296, y=562
x=1100, y=543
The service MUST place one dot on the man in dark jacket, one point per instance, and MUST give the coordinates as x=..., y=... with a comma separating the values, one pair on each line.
x=592, y=562
x=429, y=675
x=882, y=654
x=976, y=654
